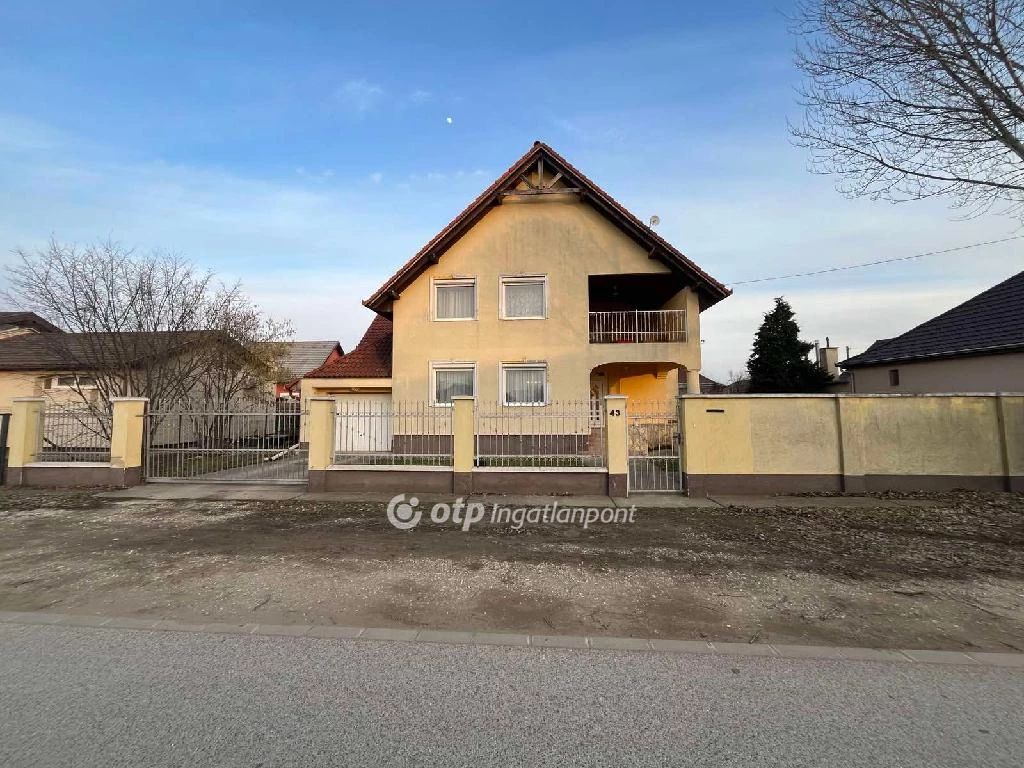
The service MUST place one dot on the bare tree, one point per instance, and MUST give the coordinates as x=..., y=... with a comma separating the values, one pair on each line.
x=907, y=99
x=147, y=325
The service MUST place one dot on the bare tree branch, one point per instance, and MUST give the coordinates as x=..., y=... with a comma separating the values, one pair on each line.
x=147, y=326
x=907, y=99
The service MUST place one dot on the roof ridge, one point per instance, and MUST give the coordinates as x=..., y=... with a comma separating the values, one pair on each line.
x=976, y=325
x=481, y=204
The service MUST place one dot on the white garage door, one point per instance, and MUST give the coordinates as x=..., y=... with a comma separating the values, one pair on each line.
x=364, y=424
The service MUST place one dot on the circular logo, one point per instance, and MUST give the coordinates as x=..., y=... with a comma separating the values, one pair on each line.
x=402, y=515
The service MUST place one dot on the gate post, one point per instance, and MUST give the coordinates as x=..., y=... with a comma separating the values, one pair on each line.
x=26, y=436
x=616, y=448
x=681, y=423
x=463, y=444
x=320, y=434
x=127, y=427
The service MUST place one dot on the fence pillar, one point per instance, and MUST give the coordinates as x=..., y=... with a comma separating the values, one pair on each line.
x=616, y=447
x=681, y=422
x=320, y=433
x=26, y=433
x=127, y=427
x=463, y=443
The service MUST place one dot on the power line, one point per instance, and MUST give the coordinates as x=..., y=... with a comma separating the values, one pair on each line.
x=876, y=263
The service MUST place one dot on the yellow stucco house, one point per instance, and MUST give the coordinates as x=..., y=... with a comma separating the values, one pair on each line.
x=543, y=290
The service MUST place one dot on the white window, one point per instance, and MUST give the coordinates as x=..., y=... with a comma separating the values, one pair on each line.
x=451, y=380
x=524, y=383
x=524, y=298
x=454, y=299
x=72, y=382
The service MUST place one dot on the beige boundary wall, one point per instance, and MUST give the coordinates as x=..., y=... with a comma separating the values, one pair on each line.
x=463, y=477
x=852, y=443
x=124, y=468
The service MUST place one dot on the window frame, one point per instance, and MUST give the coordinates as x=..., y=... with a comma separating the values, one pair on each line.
x=438, y=282
x=53, y=382
x=503, y=383
x=894, y=377
x=448, y=365
x=504, y=280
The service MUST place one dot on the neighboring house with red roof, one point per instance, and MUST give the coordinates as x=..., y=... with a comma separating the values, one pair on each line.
x=977, y=346
x=543, y=289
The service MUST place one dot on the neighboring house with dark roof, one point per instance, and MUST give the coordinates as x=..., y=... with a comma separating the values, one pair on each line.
x=709, y=386
x=18, y=323
x=977, y=346
x=60, y=366
x=301, y=357
x=543, y=289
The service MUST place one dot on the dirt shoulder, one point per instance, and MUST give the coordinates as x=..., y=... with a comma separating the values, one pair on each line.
x=946, y=575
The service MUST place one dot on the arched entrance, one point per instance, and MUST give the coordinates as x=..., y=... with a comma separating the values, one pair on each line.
x=652, y=424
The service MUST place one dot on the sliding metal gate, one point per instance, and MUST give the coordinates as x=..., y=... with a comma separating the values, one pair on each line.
x=652, y=436
x=253, y=445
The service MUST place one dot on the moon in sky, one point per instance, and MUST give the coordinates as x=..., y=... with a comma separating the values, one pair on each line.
x=448, y=120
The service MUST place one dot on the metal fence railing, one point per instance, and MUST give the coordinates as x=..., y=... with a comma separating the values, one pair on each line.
x=75, y=433
x=637, y=326
x=242, y=443
x=381, y=432
x=559, y=434
x=652, y=445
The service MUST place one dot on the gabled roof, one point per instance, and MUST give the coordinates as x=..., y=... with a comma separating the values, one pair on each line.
x=303, y=356
x=87, y=351
x=990, y=323
x=710, y=290
x=371, y=358
x=9, y=320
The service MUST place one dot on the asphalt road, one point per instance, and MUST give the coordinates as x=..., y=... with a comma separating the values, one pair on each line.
x=80, y=696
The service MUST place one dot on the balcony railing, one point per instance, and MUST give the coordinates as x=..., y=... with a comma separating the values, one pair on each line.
x=638, y=326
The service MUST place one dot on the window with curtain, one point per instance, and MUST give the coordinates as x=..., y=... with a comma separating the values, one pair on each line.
x=523, y=297
x=525, y=384
x=455, y=299
x=451, y=382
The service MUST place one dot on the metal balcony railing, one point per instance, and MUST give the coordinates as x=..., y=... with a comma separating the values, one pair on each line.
x=638, y=326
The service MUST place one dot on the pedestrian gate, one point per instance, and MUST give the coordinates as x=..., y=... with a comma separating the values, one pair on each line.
x=242, y=445
x=652, y=437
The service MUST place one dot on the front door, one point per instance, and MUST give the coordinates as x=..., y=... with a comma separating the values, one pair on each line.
x=598, y=392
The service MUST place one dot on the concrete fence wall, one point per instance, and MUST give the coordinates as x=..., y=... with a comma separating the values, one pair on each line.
x=854, y=443
x=124, y=467
x=464, y=475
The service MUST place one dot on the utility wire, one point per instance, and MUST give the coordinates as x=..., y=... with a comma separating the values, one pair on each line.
x=876, y=263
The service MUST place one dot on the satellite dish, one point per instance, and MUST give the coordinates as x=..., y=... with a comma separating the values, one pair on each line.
x=655, y=221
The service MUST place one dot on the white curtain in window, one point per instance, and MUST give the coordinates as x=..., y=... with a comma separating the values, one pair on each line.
x=455, y=301
x=452, y=382
x=524, y=385
x=524, y=299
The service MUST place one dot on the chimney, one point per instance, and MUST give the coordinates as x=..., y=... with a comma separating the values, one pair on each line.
x=828, y=359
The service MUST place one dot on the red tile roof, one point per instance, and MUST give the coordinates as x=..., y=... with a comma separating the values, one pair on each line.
x=710, y=290
x=371, y=358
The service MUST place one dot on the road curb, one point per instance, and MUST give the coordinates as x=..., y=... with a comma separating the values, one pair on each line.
x=512, y=639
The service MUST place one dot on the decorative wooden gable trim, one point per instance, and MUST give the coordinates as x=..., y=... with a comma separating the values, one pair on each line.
x=542, y=171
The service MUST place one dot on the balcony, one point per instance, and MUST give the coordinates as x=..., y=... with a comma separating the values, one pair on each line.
x=638, y=326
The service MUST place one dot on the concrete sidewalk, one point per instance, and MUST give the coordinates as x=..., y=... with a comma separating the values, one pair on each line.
x=270, y=492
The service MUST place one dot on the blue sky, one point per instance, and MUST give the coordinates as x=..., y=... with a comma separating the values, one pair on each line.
x=304, y=148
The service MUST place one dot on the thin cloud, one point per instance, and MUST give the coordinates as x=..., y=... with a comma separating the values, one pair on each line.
x=360, y=96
